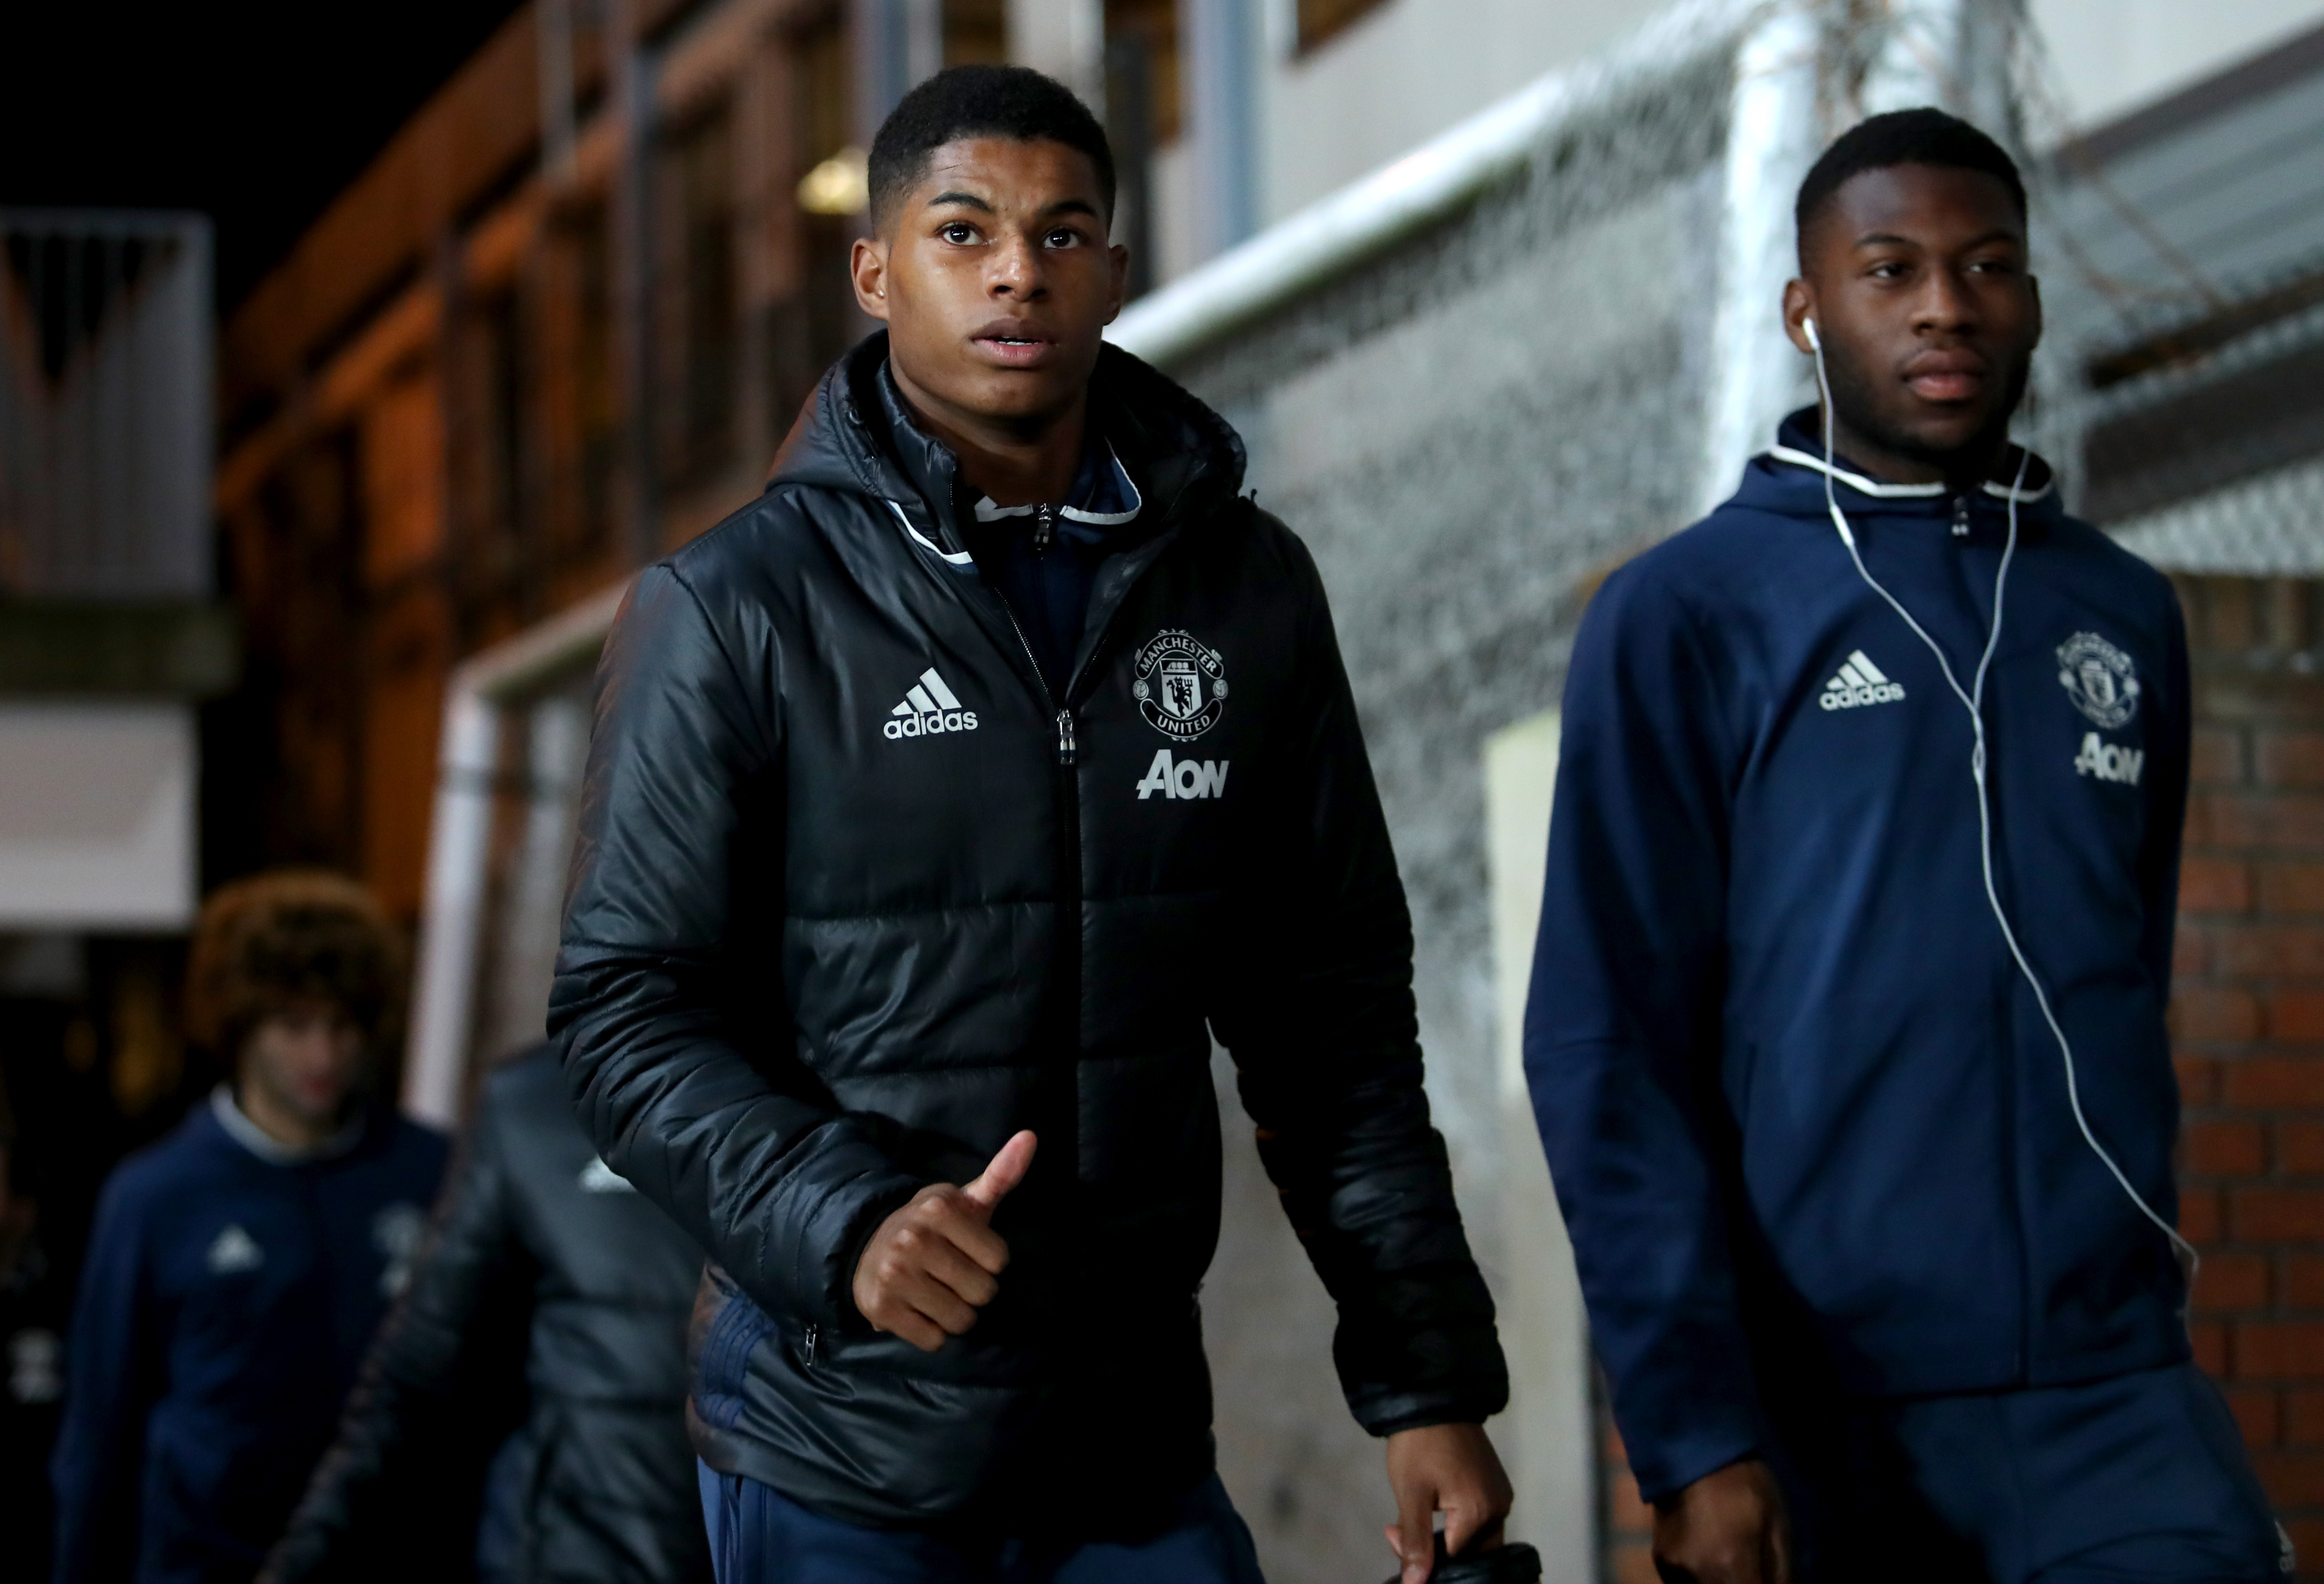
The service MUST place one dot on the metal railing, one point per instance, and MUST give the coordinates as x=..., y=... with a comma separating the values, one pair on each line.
x=106, y=382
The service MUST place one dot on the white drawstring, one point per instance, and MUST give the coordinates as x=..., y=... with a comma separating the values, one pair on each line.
x=2190, y=1262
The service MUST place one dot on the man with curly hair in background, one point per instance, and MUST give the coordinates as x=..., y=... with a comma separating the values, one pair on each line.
x=239, y=1266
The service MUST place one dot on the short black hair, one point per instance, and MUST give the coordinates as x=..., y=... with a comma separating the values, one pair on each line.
x=979, y=101
x=1905, y=137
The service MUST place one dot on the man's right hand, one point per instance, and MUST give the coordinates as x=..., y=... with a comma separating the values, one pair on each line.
x=936, y=1262
x=1726, y=1528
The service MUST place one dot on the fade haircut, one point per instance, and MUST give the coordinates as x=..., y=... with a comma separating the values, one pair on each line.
x=1903, y=137
x=979, y=101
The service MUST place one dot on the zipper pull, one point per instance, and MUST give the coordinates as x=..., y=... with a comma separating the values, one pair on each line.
x=1960, y=517
x=1065, y=737
x=814, y=1335
x=1044, y=528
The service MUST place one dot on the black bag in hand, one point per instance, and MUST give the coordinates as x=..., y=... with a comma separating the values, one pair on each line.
x=1508, y=1564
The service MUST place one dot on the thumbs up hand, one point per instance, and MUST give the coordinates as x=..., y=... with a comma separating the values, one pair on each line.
x=936, y=1261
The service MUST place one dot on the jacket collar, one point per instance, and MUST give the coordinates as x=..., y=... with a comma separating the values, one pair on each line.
x=1789, y=477
x=855, y=435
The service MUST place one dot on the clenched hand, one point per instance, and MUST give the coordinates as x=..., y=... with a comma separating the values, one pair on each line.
x=1726, y=1528
x=1449, y=1468
x=936, y=1262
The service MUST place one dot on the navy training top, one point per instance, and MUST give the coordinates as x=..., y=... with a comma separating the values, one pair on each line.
x=228, y=1297
x=1044, y=559
x=1796, y=1098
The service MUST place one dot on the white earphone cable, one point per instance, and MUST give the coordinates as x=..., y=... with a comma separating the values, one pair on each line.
x=1972, y=700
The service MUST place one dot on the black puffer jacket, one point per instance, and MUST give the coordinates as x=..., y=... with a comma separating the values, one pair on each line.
x=550, y=1302
x=813, y=961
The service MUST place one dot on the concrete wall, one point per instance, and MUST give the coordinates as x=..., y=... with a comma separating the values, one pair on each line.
x=2111, y=57
x=1406, y=72
x=1410, y=68
x=1466, y=435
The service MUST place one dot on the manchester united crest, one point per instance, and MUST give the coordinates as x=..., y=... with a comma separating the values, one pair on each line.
x=1180, y=684
x=2098, y=677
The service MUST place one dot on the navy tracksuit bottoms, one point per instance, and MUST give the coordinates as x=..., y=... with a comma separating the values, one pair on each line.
x=2140, y=1477
x=758, y=1535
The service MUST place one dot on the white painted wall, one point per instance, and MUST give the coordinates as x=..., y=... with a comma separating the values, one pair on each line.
x=2112, y=57
x=1413, y=68
x=97, y=816
x=1546, y=1437
x=1406, y=72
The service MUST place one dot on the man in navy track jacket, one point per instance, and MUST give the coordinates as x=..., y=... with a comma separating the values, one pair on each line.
x=239, y=1266
x=1871, y=1303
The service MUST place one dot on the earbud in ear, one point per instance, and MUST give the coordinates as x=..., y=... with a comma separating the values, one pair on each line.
x=1813, y=339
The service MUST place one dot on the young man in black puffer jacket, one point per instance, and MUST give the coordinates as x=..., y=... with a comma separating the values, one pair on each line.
x=943, y=804
x=524, y=1408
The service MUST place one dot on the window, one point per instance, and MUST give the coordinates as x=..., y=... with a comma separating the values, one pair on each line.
x=976, y=33
x=698, y=296
x=503, y=411
x=596, y=387
x=1141, y=40
x=1320, y=19
x=816, y=319
x=1142, y=113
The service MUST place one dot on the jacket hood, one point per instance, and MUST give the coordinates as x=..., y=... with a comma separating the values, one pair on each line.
x=855, y=435
x=1788, y=479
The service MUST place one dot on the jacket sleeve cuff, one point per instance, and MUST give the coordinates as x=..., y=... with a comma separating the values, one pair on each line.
x=1444, y=1375
x=852, y=1214
x=1663, y=1468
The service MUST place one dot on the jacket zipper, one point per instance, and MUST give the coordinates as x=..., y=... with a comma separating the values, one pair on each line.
x=1043, y=529
x=1066, y=792
x=1067, y=1031
x=2010, y=1108
x=1068, y=780
x=814, y=1335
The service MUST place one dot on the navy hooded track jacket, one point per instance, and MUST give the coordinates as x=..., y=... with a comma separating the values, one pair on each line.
x=1797, y=1097
x=229, y=1294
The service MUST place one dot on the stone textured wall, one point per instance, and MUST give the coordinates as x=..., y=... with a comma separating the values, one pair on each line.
x=1467, y=435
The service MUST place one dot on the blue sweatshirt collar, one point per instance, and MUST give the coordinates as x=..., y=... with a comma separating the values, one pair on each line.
x=1788, y=477
x=1101, y=496
x=238, y=1126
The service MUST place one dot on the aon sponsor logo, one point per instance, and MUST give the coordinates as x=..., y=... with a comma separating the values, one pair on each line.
x=1186, y=777
x=2108, y=762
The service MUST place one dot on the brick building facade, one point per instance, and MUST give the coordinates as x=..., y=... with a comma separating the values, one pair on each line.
x=2248, y=1024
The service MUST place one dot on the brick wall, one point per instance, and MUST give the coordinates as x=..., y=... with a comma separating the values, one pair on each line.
x=2247, y=1023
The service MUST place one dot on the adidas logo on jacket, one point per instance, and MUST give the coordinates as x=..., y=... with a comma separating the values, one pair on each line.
x=929, y=707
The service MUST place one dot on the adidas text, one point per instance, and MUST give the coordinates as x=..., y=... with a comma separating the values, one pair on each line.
x=2108, y=762
x=1188, y=777
x=1859, y=683
x=929, y=708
